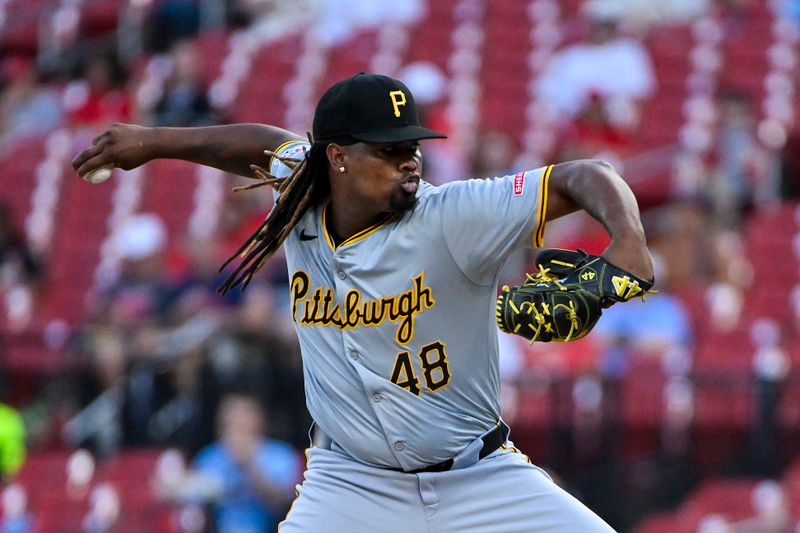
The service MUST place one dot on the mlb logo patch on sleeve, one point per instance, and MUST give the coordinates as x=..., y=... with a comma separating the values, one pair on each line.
x=297, y=149
x=519, y=183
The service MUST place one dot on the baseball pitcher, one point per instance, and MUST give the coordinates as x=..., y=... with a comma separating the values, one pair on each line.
x=393, y=286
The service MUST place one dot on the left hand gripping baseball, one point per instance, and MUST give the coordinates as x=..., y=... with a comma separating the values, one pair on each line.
x=564, y=300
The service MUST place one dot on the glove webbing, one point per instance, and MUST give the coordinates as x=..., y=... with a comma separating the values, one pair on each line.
x=542, y=276
x=548, y=326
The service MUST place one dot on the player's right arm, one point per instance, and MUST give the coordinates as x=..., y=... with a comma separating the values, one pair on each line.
x=231, y=148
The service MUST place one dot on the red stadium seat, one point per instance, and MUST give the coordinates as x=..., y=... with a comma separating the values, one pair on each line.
x=728, y=498
x=661, y=523
x=261, y=98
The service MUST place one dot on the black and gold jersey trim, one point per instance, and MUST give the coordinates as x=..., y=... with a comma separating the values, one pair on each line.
x=358, y=236
x=538, y=233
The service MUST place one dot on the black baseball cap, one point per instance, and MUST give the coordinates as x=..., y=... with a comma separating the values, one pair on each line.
x=369, y=108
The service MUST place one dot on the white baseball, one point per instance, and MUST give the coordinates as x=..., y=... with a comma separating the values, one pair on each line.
x=99, y=175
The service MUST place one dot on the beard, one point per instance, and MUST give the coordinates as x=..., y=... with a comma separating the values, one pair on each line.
x=402, y=202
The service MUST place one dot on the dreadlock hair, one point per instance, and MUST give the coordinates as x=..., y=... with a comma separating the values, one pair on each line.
x=306, y=186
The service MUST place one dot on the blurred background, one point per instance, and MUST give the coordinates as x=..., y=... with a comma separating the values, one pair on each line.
x=135, y=399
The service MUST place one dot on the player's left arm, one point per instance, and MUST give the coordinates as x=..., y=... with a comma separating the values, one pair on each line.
x=598, y=189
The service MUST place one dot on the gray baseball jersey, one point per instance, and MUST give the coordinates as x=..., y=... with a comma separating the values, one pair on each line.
x=397, y=323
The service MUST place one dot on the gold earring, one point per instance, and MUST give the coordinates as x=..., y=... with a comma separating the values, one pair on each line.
x=341, y=169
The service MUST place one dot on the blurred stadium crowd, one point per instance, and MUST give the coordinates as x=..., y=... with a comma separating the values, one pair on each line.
x=134, y=398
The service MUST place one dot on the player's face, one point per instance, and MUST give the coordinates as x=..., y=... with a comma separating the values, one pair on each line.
x=384, y=177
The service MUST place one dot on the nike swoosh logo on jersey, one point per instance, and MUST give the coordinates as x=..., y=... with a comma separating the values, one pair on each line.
x=306, y=237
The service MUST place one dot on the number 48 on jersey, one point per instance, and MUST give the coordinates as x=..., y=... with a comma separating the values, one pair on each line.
x=435, y=369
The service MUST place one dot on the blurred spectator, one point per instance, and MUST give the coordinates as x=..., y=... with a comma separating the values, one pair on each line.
x=651, y=329
x=616, y=68
x=126, y=350
x=267, y=12
x=144, y=386
x=140, y=292
x=247, y=477
x=101, y=388
x=172, y=21
x=17, y=262
x=12, y=442
x=732, y=276
x=179, y=355
x=591, y=134
x=679, y=233
x=100, y=96
x=258, y=354
x=789, y=168
x=27, y=107
x=194, y=277
x=731, y=264
x=20, y=272
x=771, y=366
x=679, y=411
x=741, y=165
x=184, y=101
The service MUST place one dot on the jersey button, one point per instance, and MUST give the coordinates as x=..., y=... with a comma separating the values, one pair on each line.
x=354, y=355
x=377, y=397
x=341, y=274
x=399, y=446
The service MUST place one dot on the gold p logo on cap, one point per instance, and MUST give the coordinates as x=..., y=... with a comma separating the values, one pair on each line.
x=398, y=99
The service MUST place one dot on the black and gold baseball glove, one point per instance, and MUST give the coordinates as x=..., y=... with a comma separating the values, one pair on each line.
x=565, y=298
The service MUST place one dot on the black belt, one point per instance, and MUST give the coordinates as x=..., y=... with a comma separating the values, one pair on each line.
x=491, y=441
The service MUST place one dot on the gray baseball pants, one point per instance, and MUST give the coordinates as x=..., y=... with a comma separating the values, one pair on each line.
x=502, y=493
